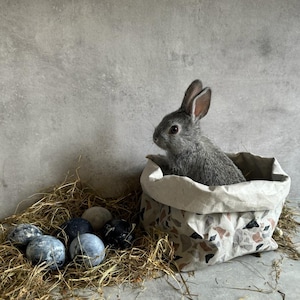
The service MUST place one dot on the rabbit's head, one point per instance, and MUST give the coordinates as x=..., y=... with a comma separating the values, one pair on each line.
x=178, y=131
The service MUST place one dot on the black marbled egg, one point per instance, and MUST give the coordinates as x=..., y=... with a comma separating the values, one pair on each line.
x=118, y=234
x=22, y=234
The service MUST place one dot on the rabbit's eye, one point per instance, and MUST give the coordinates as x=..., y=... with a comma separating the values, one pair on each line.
x=173, y=129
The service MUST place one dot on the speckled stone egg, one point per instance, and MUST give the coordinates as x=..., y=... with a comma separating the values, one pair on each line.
x=118, y=234
x=46, y=249
x=97, y=216
x=76, y=226
x=22, y=234
x=87, y=249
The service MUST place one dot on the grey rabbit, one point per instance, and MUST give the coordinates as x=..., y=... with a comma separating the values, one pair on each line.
x=188, y=152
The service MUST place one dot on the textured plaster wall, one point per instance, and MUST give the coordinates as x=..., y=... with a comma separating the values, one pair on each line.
x=93, y=78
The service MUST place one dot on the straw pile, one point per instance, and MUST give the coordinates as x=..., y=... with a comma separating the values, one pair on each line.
x=150, y=257
x=287, y=227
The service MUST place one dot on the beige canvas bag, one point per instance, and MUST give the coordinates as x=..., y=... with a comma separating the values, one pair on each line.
x=213, y=224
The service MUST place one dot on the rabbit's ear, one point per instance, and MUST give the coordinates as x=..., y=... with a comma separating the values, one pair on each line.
x=201, y=104
x=192, y=91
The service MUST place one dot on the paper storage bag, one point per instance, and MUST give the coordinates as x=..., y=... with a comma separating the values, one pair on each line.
x=213, y=224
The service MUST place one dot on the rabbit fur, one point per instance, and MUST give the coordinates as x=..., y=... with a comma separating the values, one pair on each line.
x=188, y=152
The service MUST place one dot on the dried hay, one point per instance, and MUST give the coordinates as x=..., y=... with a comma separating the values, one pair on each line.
x=286, y=229
x=150, y=257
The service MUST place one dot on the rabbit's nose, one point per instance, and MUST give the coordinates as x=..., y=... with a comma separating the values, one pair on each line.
x=155, y=138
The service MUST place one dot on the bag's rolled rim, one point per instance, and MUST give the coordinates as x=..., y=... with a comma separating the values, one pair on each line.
x=185, y=194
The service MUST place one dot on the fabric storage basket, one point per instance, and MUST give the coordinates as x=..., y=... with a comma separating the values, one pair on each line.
x=213, y=224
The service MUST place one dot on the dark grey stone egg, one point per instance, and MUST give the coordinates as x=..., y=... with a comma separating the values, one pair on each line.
x=22, y=234
x=87, y=249
x=118, y=234
x=75, y=227
x=46, y=249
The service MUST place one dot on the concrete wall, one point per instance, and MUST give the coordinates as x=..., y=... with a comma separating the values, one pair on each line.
x=93, y=78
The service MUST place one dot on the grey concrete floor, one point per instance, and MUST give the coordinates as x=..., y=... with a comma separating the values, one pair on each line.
x=272, y=276
x=245, y=278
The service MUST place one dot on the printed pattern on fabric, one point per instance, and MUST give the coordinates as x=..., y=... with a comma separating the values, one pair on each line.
x=202, y=240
